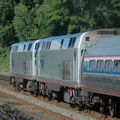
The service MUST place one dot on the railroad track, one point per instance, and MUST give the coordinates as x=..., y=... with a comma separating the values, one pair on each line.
x=62, y=117
x=4, y=95
x=11, y=113
x=35, y=107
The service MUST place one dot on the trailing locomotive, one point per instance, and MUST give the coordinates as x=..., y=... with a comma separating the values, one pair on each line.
x=54, y=66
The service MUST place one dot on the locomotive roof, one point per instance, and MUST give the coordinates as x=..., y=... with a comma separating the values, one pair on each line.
x=61, y=37
x=24, y=42
x=84, y=39
x=103, y=31
x=109, y=46
x=49, y=38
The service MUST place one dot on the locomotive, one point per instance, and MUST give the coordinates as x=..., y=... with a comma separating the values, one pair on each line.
x=58, y=67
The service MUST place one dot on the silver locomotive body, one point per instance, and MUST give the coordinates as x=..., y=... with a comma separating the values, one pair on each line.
x=53, y=66
x=22, y=60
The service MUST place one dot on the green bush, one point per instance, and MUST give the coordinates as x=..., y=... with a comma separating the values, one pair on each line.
x=4, y=59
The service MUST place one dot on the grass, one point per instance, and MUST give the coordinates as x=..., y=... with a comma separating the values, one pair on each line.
x=4, y=59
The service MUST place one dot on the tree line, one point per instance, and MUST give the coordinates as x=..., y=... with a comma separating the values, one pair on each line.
x=21, y=20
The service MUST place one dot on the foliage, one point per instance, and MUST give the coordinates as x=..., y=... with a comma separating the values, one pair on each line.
x=22, y=23
x=21, y=20
x=80, y=23
x=109, y=15
x=4, y=59
x=53, y=17
x=7, y=32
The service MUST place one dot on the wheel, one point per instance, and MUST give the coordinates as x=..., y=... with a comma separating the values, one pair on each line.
x=102, y=109
x=112, y=108
x=17, y=88
x=77, y=107
x=34, y=93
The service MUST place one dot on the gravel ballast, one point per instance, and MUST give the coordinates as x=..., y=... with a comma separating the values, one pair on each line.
x=52, y=107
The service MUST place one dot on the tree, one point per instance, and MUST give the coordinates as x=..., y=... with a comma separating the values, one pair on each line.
x=23, y=22
x=107, y=14
x=53, y=17
x=80, y=23
x=7, y=33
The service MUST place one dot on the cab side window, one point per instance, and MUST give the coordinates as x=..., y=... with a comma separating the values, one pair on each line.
x=30, y=46
x=72, y=42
